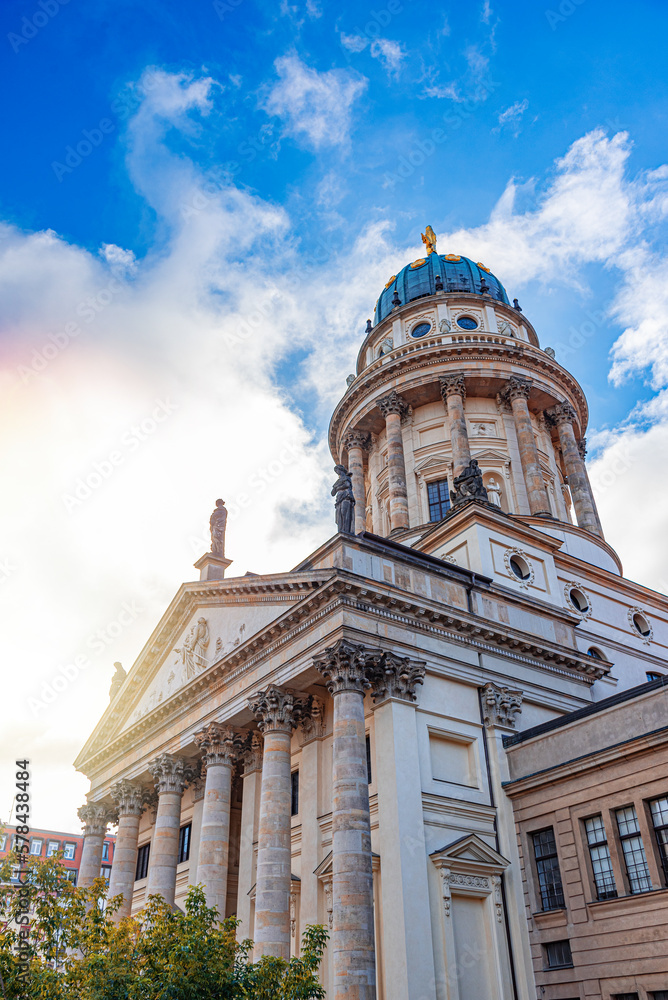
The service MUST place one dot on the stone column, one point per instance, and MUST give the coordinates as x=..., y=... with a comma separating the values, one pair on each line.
x=346, y=668
x=130, y=799
x=312, y=733
x=453, y=392
x=408, y=957
x=220, y=747
x=516, y=392
x=573, y=453
x=394, y=407
x=95, y=816
x=171, y=775
x=277, y=712
x=250, y=808
x=356, y=444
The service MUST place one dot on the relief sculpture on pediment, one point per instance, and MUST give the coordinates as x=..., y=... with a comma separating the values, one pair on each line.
x=192, y=652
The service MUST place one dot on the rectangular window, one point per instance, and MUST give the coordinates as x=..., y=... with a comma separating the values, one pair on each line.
x=105, y=851
x=3, y=841
x=52, y=848
x=71, y=874
x=36, y=847
x=659, y=995
x=624, y=996
x=599, y=853
x=547, y=866
x=558, y=954
x=634, y=852
x=105, y=872
x=659, y=810
x=368, y=760
x=142, y=862
x=184, y=843
x=294, y=793
x=438, y=495
x=69, y=850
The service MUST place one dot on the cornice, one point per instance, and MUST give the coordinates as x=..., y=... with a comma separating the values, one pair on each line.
x=345, y=591
x=381, y=374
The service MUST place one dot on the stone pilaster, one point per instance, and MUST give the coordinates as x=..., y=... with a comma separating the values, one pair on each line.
x=453, y=392
x=171, y=775
x=277, y=712
x=220, y=748
x=346, y=667
x=408, y=958
x=356, y=444
x=516, y=392
x=95, y=816
x=250, y=811
x=394, y=407
x=130, y=798
x=563, y=416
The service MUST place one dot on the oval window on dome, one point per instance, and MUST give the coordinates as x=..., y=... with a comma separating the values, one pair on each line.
x=421, y=330
x=641, y=625
x=418, y=263
x=483, y=267
x=452, y=256
x=520, y=567
x=467, y=323
x=393, y=278
x=578, y=600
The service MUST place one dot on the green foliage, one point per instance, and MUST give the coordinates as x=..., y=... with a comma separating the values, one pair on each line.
x=76, y=950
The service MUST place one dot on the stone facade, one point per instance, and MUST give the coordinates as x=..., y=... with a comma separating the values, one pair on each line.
x=327, y=745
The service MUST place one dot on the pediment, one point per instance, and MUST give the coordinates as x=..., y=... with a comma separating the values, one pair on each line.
x=470, y=853
x=490, y=455
x=325, y=869
x=433, y=462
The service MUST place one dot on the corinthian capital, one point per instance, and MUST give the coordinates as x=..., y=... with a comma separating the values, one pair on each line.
x=357, y=439
x=562, y=413
x=129, y=797
x=501, y=705
x=252, y=754
x=276, y=710
x=219, y=744
x=397, y=677
x=96, y=816
x=347, y=666
x=517, y=387
x=392, y=403
x=452, y=385
x=171, y=774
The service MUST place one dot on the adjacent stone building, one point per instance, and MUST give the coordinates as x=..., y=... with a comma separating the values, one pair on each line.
x=326, y=745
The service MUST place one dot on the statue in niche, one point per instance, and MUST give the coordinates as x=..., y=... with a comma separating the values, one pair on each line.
x=345, y=501
x=217, y=524
x=494, y=492
x=117, y=681
x=469, y=485
x=444, y=326
x=191, y=653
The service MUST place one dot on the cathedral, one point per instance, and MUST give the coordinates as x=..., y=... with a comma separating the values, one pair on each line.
x=355, y=742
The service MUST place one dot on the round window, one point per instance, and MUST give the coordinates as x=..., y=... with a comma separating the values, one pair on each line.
x=641, y=625
x=579, y=601
x=519, y=567
x=467, y=323
x=421, y=330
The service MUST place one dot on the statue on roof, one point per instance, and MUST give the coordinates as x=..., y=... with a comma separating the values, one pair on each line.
x=429, y=240
x=217, y=524
x=345, y=500
x=117, y=681
x=469, y=485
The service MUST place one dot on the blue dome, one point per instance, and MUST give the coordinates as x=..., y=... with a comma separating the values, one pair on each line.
x=457, y=274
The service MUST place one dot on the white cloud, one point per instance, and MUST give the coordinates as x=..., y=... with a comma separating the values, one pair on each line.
x=389, y=52
x=316, y=108
x=486, y=12
x=512, y=117
x=354, y=43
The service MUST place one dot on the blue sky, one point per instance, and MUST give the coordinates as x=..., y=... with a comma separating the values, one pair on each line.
x=188, y=291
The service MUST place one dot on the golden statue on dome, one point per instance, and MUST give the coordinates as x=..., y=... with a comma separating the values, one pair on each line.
x=429, y=240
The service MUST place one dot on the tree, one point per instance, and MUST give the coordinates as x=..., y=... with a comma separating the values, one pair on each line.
x=73, y=949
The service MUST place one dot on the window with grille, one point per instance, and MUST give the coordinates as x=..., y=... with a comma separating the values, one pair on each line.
x=634, y=852
x=658, y=995
x=599, y=852
x=294, y=797
x=142, y=862
x=184, y=842
x=438, y=495
x=547, y=866
x=368, y=760
x=659, y=810
x=625, y=996
x=558, y=954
